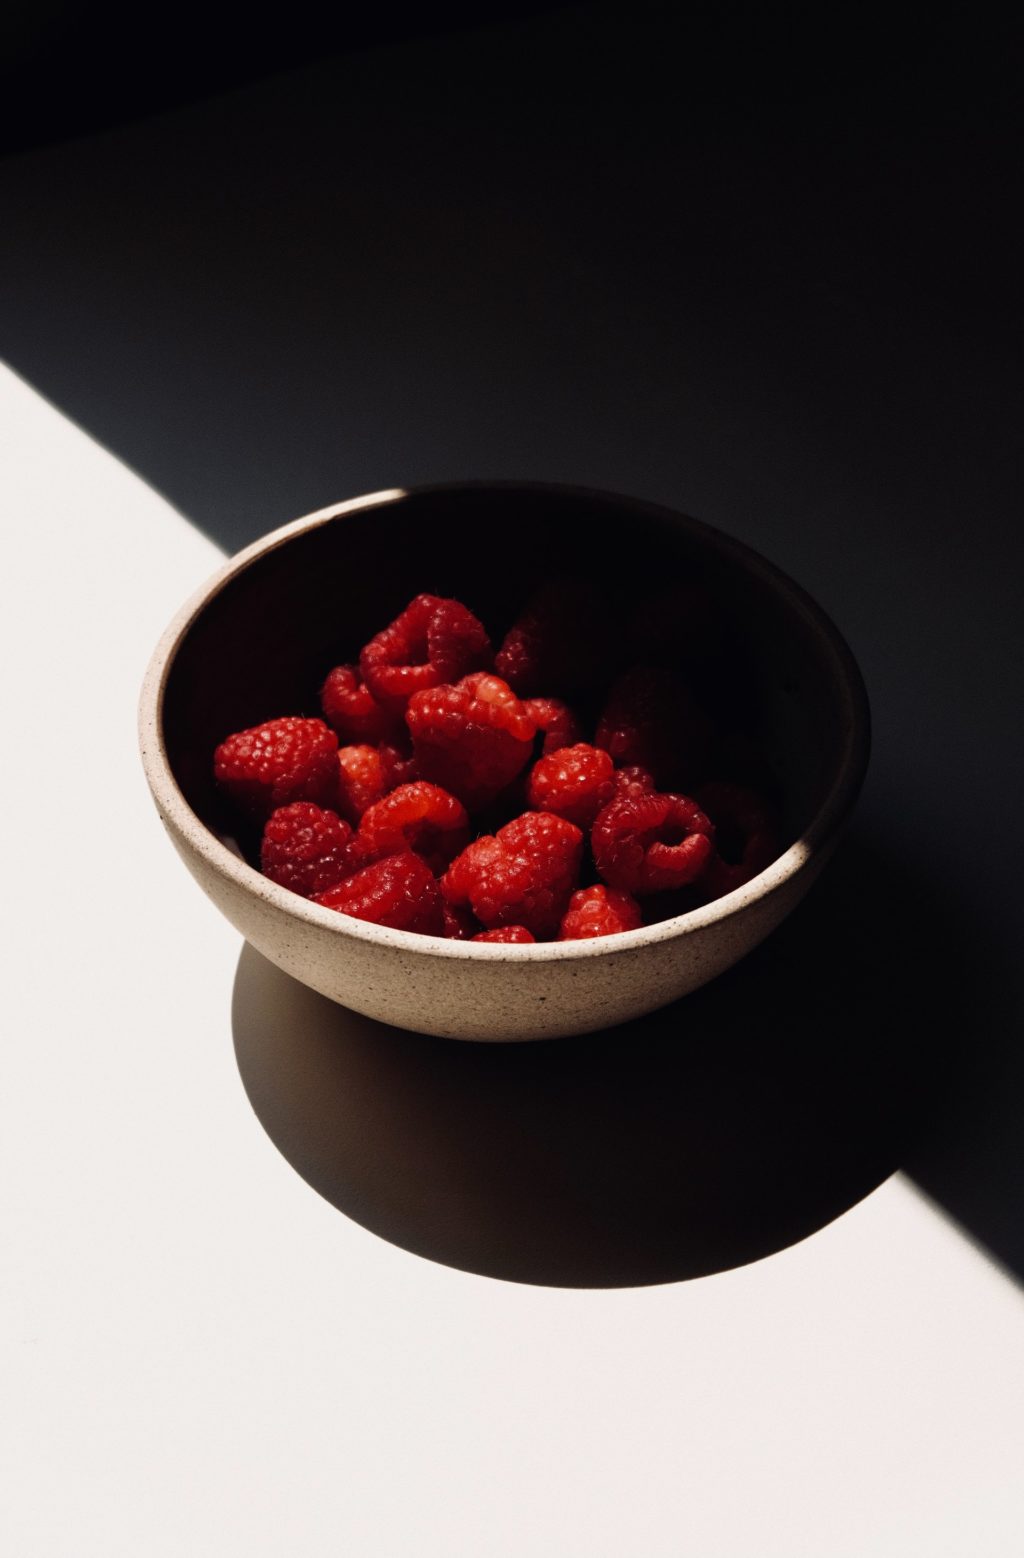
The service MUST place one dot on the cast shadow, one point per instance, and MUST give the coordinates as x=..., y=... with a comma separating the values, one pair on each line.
x=702, y=1137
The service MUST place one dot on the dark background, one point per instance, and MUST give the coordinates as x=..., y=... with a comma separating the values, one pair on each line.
x=763, y=266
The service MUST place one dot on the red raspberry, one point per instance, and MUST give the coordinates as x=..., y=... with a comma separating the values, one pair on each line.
x=558, y=722
x=281, y=761
x=433, y=641
x=362, y=779
x=649, y=843
x=599, y=911
x=350, y=706
x=746, y=836
x=522, y=875
x=558, y=640
x=307, y=849
x=472, y=739
x=459, y=924
x=511, y=935
x=420, y=817
x=399, y=891
x=651, y=719
x=576, y=782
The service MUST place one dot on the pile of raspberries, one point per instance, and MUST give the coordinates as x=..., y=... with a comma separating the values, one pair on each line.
x=446, y=791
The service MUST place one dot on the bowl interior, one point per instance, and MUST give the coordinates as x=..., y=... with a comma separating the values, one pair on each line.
x=757, y=653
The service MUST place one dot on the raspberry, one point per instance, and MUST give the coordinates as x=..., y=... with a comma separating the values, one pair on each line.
x=599, y=911
x=418, y=817
x=558, y=722
x=433, y=641
x=281, y=761
x=512, y=935
x=576, y=782
x=746, y=837
x=351, y=708
x=307, y=849
x=649, y=843
x=399, y=891
x=651, y=720
x=362, y=779
x=472, y=739
x=522, y=875
x=557, y=640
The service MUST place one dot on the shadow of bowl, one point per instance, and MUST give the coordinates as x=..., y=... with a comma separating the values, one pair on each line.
x=704, y=1136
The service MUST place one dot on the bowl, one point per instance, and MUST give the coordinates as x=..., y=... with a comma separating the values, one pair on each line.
x=258, y=638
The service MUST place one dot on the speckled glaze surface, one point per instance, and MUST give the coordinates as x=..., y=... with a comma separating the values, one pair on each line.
x=471, y=990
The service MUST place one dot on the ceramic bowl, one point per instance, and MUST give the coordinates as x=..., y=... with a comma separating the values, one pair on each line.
x=257, y=639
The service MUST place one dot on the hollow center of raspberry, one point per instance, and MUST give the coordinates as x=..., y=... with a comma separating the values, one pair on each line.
x=672, y=833
x=418, y=652
x=426, y=838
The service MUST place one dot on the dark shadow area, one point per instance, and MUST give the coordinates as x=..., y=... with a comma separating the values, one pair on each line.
x=72, y=68
x=68, y=67
x=713, y=1133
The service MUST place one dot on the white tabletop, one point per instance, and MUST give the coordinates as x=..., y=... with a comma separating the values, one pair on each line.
x=202, y=1356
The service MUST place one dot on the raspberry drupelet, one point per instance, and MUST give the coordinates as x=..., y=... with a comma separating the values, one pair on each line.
x=576, y=782
x=644, y=842
x=420, y=817
x=280, y=761
x=434, y=640
x=473, y=739
x=599, y=911
x=522, y=875
x=307, y=849
x=633, y=781
x=399, y=891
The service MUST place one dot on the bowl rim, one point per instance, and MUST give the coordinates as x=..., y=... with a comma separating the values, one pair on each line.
x=818, y=834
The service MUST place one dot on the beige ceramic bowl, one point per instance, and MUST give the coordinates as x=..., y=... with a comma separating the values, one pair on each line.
x=257, y=639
